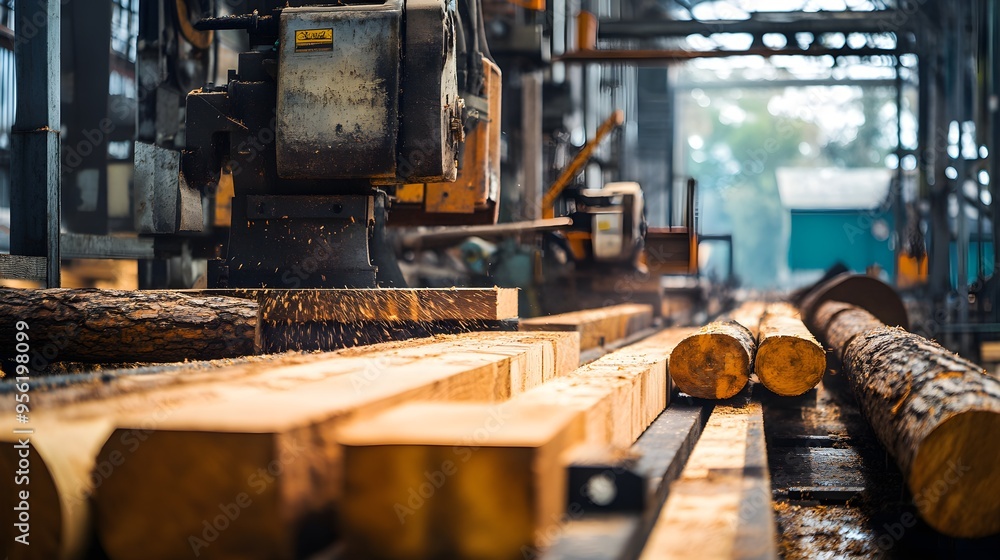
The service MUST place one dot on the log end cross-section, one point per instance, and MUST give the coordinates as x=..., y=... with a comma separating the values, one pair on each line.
x=715, y=362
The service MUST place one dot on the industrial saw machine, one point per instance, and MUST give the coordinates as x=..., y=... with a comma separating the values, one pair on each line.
x=334, y=115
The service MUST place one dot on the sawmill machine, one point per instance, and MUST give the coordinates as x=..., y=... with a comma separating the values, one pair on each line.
x=609, y=226
x=336, y=113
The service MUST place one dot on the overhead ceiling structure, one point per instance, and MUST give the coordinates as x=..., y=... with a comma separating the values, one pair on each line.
x=946, y=51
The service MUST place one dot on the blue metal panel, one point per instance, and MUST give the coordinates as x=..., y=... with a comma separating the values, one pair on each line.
x=820, y=239
x=973, y=261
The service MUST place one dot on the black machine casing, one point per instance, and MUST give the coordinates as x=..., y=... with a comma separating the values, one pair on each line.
x=334, y=103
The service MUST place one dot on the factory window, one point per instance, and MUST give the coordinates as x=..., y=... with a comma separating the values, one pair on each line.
x=6, y=98
x=124, y=27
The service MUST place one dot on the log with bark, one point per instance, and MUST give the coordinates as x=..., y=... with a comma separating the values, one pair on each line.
x=938, y=415
x=102, y=326
x=789, y=360
x=850, y=322
x=715, y=362
x=749, y=314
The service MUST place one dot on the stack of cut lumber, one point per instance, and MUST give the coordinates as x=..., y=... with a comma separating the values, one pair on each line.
x=260, y=434
x=276, y=457
x=462, y=480
x=597, y=327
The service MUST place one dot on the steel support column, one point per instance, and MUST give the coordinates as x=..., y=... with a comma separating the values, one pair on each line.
x=87, y=66
x=35, y=177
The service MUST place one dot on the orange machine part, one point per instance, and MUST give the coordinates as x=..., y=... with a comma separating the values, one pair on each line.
x=478, y=184
x=911, y=271
x=537, y=5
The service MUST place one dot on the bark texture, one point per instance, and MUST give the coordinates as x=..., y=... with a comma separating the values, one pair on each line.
x=842, y=322
x=749, y=314
x=84, y=325
x=938, y=414
x=715, y=362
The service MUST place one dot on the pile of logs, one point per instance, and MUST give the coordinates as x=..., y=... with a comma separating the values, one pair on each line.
x=769, y=340
x=936, y=413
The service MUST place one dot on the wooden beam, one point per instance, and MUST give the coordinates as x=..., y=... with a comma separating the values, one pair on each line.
x=455, y=481
x=72, y=423
x=662, y=451
x=720, y=507
x=597, y=327
x=270, y=448
x=117, y=326
x=506, y=486
x=392, y=305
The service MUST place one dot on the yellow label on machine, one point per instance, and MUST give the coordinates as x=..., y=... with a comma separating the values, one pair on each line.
x=314, y=40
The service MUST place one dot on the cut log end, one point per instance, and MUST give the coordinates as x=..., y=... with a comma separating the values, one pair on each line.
x=954, y=470
x=715, y=362
x=789, y=365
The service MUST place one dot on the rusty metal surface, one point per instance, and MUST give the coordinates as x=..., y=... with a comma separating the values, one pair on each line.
x=338, y=107
x=479, y=176
x=871, y=294
x=431, y=129
x=668, y=250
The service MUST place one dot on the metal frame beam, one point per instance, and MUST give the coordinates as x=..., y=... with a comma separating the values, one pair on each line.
x=667, y=56
x=884, y=21
x=35, y=177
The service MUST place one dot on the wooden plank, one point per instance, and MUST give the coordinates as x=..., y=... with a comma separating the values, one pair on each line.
x=272, y=444
x=597, y=327
x=72, y=423
x=663, y=449
x=505, y=484
x=389, y=305
x=720, y=507
x=455, y=481
x=620, y=394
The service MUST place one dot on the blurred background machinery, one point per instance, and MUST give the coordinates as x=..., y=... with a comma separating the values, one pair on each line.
x=857, y=132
